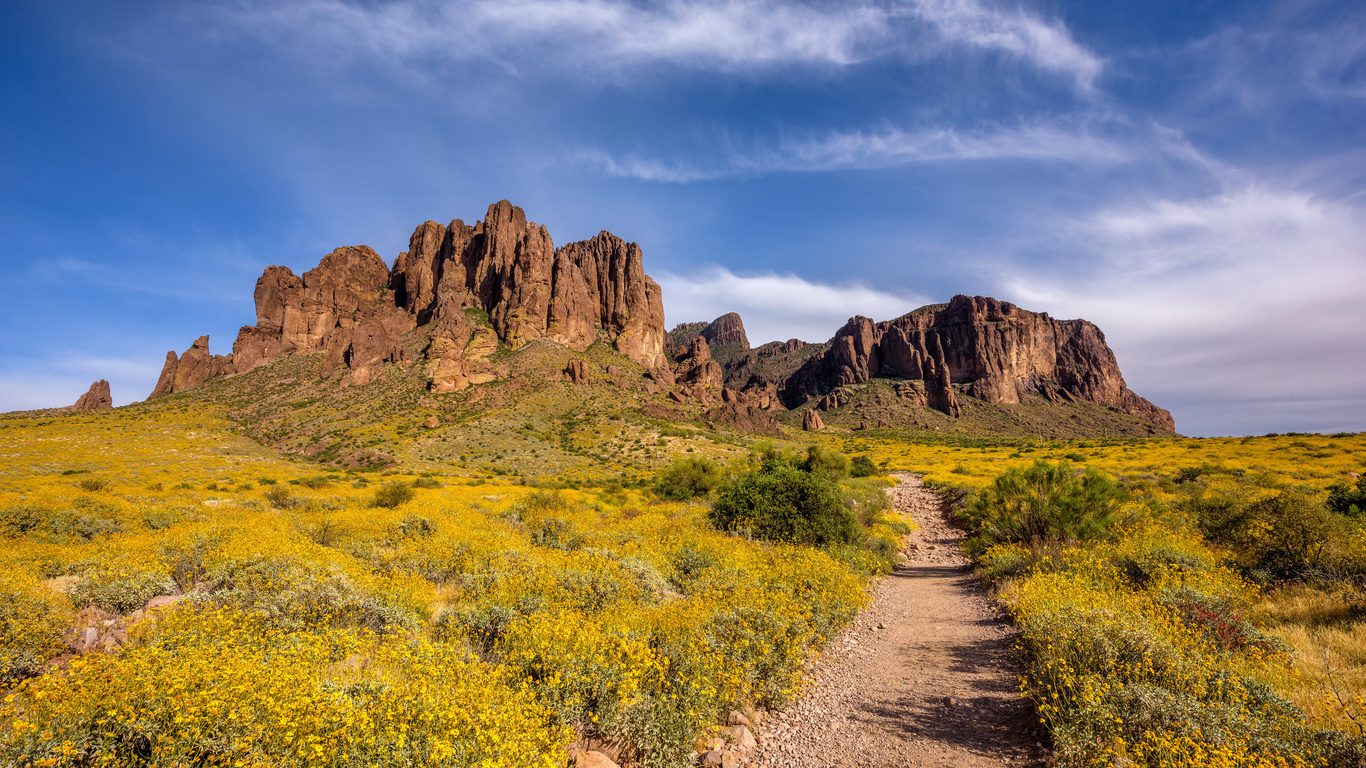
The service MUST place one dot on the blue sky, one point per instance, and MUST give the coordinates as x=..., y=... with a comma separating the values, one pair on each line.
x=1191, y=176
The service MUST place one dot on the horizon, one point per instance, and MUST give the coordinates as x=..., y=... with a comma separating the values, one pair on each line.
x=1191, y=179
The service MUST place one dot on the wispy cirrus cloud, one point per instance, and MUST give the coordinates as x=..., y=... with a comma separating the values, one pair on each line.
x=726, y=35
x=885, y=148
x=1236, y=310
x=777, y=307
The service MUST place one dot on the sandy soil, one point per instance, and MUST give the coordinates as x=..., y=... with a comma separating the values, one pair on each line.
x=923, y=677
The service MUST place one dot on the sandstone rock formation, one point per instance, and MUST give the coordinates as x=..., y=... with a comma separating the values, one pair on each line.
x=96, y=398
x=192, y=368
x=696, y=368
x=453, y=298
x=811, y=421
x=727, y=330
x=996, y=351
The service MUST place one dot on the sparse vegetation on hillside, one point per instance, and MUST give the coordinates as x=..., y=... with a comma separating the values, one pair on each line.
x=532, y=584
x=1148, y=639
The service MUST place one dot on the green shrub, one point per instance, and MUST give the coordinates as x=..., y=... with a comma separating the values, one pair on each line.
x=1046, y=501
x=392, y=494
x=830, y=464
x=93, y=484
x=1287, y=536
x=279, y=497
x=1346, y=500
x=688, y=478
x=120, y=592
x=426, y=482
x=780, y=502
x=862, y=466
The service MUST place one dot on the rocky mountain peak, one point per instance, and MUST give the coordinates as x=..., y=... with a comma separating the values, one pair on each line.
x=362, y=314
x=991, y=350
x=96, y=398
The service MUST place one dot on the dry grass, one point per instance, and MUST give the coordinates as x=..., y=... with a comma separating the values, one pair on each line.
x=1325, y=630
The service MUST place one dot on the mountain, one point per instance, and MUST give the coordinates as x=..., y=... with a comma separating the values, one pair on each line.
x=450, y=301
x=490, y=335
x=989, y=350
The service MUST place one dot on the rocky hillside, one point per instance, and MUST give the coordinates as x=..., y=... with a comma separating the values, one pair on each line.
x=449, y=302
x=494, y=315
x=990, y=350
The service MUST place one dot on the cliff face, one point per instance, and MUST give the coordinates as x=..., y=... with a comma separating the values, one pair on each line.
x=999, y=351
x=360, y=313
x=179, y=373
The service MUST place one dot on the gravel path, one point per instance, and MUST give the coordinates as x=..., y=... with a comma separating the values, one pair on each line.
x=923, y=677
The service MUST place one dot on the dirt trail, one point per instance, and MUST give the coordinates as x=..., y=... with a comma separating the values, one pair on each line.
x=923, y=677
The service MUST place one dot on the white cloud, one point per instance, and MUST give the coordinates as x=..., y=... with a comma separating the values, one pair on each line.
x=1240, y=311
x=885, y=148
x=615, y=34
x=1046, y=45
x=777, y=307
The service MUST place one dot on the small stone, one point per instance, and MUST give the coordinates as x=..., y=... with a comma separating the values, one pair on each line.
x=743, y=738
x=736, y=718
x=711, y=757
x=594, y=760
x=432, y=422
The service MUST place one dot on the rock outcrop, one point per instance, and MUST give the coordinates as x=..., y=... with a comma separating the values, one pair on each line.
x=194, y=367
x=96, y=398
x=992, y=350
x=695, y=367
x=453, y=299
x=811, y=421
x=726, y=329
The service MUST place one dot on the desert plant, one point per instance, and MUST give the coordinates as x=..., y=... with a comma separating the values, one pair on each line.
x=392, y=494
x=779, y=502
x=688, y=478
x=1046, y=501
x=1348, y=500
x=862, y=466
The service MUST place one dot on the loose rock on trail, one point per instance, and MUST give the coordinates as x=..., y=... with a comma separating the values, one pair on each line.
x=923, y=677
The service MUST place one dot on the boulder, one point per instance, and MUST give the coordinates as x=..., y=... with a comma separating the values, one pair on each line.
x=576, y=371
x=742, y=737
x=96, y=398
x=593, y=759
x=811, y=421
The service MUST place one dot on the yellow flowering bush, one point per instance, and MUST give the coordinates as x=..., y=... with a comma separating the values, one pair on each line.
x=224, y=688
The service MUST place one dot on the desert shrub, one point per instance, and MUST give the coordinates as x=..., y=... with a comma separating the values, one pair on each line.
x=32, y=620
x=555, y=533
x=832, y=465
x=1348, y=500
x=1159, y=673
x=414, y=527
x=688, y=478
x=426, y=482
x=120, y=591
x=346, y=698
x=1287, y=535
x=279, y=497
x=93, y=484
x=779, y=502
x=1046, y=501
x=862, y=466
x=391, y=495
